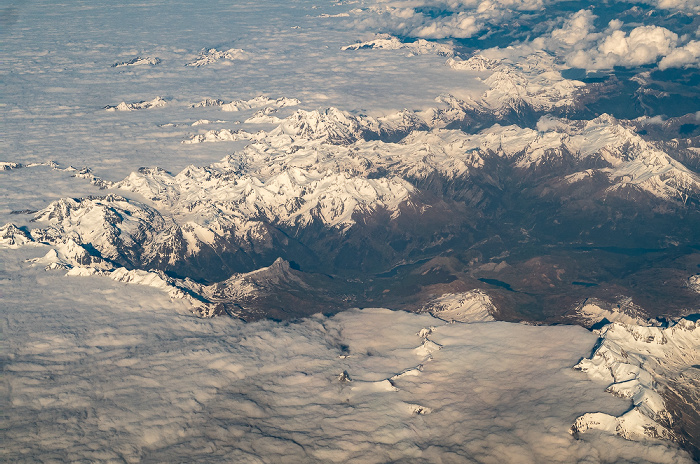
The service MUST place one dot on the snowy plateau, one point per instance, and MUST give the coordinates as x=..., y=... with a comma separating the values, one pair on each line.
x=205, y=215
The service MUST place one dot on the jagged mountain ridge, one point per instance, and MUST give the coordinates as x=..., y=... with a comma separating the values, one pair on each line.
x=157, y=102
x=329, y=190
x=657, y=369
x=389, y=42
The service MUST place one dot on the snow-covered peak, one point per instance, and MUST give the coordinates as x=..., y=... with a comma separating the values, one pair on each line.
x=252, y=284
x=592, y=312
x=293, y=192
x=212, y=55
x=474, y=63
x=694, y=282
x=204, y=122
x=264, y=116
x=112, y=225
x=216, y=135
x=9, y=165
x=157, y=102
x=633, y=425
x=535, y=82
x=69, y=254
x=329, y=124
x=400, y=124
x=155, y=184
x=176, y=289
x=12, y=236
x=547, y=91
x=628, y=159
x=138, y=61
x=633, y=161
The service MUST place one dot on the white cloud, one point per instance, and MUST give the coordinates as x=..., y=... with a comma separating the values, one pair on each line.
x=460, y=25
x=684, y=5
x=456, y=19
x=577, y=29
x=408, y=22
x=688, y=55
x=641, y=46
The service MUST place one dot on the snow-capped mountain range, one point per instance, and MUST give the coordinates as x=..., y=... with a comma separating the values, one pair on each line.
x=319, y=177
x=611, y=148
x=327, y=189
x=441, y=230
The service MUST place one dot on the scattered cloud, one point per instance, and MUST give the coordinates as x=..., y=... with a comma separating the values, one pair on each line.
x=579, y=44
x=688, y=55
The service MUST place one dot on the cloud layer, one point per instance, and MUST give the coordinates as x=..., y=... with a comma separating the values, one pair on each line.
x=102, y=372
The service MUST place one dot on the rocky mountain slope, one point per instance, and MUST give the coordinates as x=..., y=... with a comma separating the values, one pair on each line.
x=657, y=369
x=516, y=192
x=511, y=209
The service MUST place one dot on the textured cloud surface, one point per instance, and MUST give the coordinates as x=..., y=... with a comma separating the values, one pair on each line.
x=442, y=19
x=112, y=374
x=578, y=41
x=687, y=5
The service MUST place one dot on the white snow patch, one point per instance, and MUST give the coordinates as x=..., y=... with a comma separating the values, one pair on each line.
x=212, y=55
x=157, y=102
x=389, y=42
